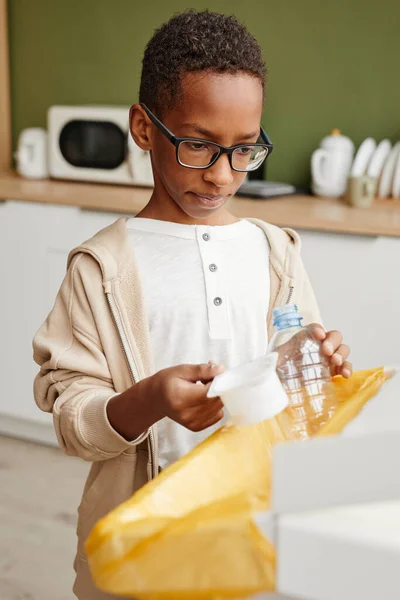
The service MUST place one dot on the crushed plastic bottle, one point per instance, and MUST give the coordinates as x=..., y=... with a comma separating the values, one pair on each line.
x=304, y=373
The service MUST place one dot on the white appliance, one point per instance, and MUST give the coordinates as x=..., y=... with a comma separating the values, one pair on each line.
x=93, y=143
x=31, y=155
x=331, y=164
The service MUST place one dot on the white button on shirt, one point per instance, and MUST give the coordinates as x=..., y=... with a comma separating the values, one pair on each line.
x=206, y=292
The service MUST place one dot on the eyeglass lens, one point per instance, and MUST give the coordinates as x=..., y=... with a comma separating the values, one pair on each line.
x=199, y=154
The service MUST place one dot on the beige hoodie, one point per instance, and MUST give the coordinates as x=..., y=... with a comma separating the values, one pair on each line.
x=95, y=343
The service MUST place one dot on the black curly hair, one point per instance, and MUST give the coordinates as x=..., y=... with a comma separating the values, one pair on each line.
x=196, y=41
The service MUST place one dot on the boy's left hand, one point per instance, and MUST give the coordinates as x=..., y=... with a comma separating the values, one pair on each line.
x=333, y=348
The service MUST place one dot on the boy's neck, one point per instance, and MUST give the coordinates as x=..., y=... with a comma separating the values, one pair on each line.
x=165, y=209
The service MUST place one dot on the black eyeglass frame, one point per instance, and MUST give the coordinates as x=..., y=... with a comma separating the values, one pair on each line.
x=229, y=150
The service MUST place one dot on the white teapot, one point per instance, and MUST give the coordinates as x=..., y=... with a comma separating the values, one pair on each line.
x=331, y=164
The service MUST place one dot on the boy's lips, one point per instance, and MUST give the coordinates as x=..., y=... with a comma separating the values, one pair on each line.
x=209, y=200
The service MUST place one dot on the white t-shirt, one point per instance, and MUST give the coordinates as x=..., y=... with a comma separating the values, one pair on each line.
x=206, y=291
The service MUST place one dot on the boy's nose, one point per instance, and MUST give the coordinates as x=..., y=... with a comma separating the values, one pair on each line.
x=220, y=173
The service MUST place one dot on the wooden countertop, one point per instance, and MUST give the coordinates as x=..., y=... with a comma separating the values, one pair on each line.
x=298, y=212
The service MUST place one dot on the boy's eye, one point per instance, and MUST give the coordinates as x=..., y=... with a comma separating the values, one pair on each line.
x=197, y=146
x=245, y=150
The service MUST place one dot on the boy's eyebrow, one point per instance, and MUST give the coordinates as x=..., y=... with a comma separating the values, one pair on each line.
x=210, y=134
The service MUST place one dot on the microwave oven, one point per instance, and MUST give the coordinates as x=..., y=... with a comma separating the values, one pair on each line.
x=93, y=143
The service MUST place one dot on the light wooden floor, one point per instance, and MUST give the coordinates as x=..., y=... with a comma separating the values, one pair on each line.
x=40, y=490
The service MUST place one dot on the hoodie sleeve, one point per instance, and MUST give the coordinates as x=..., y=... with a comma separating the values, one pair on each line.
x=303, y=293
x=305, y=297
x=74, y=382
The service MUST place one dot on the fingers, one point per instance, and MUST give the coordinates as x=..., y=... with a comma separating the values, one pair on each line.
x=331, y=343
x=318, y=331
x=207, y=418
x=212, y=405
x=340, y=355
x=345, y=369
x=195, y=394
x=200, y=416
x=204, y=372
x=333, y=348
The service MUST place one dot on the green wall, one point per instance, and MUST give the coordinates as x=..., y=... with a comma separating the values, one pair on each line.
x=332, y=63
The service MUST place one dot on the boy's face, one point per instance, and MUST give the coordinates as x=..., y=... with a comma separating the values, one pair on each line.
x=219, y=108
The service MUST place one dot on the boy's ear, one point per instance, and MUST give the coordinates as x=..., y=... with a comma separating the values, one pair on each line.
x=140, y=127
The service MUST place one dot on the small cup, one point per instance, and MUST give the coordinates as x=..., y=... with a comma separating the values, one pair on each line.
x=361, y=191
x=252, y=392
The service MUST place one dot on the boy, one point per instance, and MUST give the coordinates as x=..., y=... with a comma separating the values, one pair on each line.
x=151, y=305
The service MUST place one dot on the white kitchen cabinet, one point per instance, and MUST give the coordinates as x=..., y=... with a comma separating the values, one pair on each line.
x=34, y=243
x=357, y=283
x=355, y=279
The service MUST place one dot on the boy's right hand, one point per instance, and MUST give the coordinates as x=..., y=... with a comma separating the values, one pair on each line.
x=179, y=393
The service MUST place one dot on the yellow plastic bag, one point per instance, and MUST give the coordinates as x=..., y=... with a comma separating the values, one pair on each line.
x=190, y=534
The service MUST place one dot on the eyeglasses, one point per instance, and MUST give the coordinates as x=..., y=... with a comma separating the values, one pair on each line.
x=196, y=153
